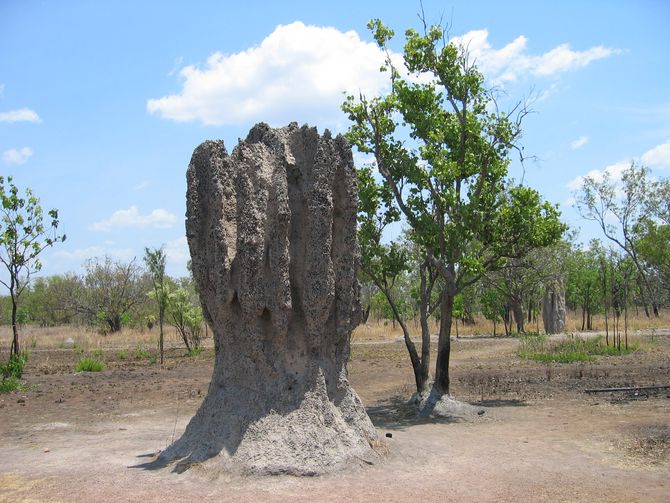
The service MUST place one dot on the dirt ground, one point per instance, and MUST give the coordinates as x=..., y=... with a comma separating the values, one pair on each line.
x=80, y=436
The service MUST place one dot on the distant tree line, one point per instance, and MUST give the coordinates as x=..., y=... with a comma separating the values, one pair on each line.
x=108, y=296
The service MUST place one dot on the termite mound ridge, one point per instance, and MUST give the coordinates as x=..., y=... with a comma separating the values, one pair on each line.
x=272, y=234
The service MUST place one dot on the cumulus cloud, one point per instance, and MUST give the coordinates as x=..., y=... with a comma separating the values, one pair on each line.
x=658, y=157
x=613, y=171
x=297, y=72
x=579, y=142
x=21, y=115
x=17, y=156
x=177, y=250
x=300, y=72
x=512, y=61
x=158, y=218
x=83, y=254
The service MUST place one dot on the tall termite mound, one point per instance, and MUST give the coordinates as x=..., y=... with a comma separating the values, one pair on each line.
x=553, y=308
x=272, y=234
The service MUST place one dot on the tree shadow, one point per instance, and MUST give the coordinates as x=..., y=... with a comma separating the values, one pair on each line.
x=398, y=413
x=500, y=402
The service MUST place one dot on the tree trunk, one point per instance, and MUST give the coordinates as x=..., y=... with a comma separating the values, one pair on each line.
x=114, y=323
x=16, y=345
x=444, y=342
x=419, y=380
x=426, y=290
x=161, y=315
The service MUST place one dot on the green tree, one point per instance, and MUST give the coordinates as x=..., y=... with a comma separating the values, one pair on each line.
x=109, y=291
x=24, y=235
x=47, y=300
x=386, y=264
x=449, y=178
x=583, y=282
x=492, y=303
x=653, y=244
x=603, y=200
x=155, y=262
x=185, y=316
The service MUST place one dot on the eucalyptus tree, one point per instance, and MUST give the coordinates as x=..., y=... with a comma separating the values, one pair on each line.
x=627, y=204
x=583, y=282
x=24, y=235
x=442, y=151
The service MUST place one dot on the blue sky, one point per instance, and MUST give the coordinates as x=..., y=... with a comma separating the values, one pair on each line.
x=102, y=103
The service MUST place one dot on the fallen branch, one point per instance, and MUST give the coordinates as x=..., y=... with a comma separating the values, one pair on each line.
x=632, y=388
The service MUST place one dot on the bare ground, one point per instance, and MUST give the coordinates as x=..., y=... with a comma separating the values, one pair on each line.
x=79, y=437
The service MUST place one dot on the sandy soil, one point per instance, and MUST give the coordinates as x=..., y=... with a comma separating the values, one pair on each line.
x=80, y=437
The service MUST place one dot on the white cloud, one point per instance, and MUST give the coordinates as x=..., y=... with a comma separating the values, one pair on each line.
x=83, y=254
x=142, y=185
x=512, y=61
x=614, y=172
x=658, y=157
x=17, y=156
x=21, y=115
x=298, y=72
x=579, y=142
x=178, y=255
x=158, y=218
x=2, y=88
x=177, y=250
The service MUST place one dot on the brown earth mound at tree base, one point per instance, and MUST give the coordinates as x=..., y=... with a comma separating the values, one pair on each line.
x=272, y=234
x=433, y=404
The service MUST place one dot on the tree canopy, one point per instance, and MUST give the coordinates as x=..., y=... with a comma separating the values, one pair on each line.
x=441, y=148
x=24, y=235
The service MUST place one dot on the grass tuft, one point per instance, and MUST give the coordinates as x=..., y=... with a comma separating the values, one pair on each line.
x=575, y=349
x=194, y=352
x=89, y=365
x=10, y=384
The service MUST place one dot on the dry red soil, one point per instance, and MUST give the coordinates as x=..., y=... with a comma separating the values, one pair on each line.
x=79, y=436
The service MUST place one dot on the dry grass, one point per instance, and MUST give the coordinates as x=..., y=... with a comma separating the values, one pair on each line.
x=385, y=330
x=649, y=442
x=89, y=339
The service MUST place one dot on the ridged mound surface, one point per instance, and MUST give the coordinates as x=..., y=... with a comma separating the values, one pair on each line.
x=272, y=234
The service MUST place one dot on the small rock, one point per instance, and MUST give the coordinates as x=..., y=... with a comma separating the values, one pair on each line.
x=69, y=342
x=46, y=449
x=21, y=400
x=389, y=435
x=481, y=412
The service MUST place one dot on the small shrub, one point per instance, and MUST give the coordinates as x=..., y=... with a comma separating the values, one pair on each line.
x=141, y=353
x=153, y=360
x=11, y=383
x=97, y=353
x=89, y=365
x=196, y=351
x=122, y=354
x=14, y=367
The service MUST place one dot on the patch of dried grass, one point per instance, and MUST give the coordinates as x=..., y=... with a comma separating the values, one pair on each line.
x=649, y=442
